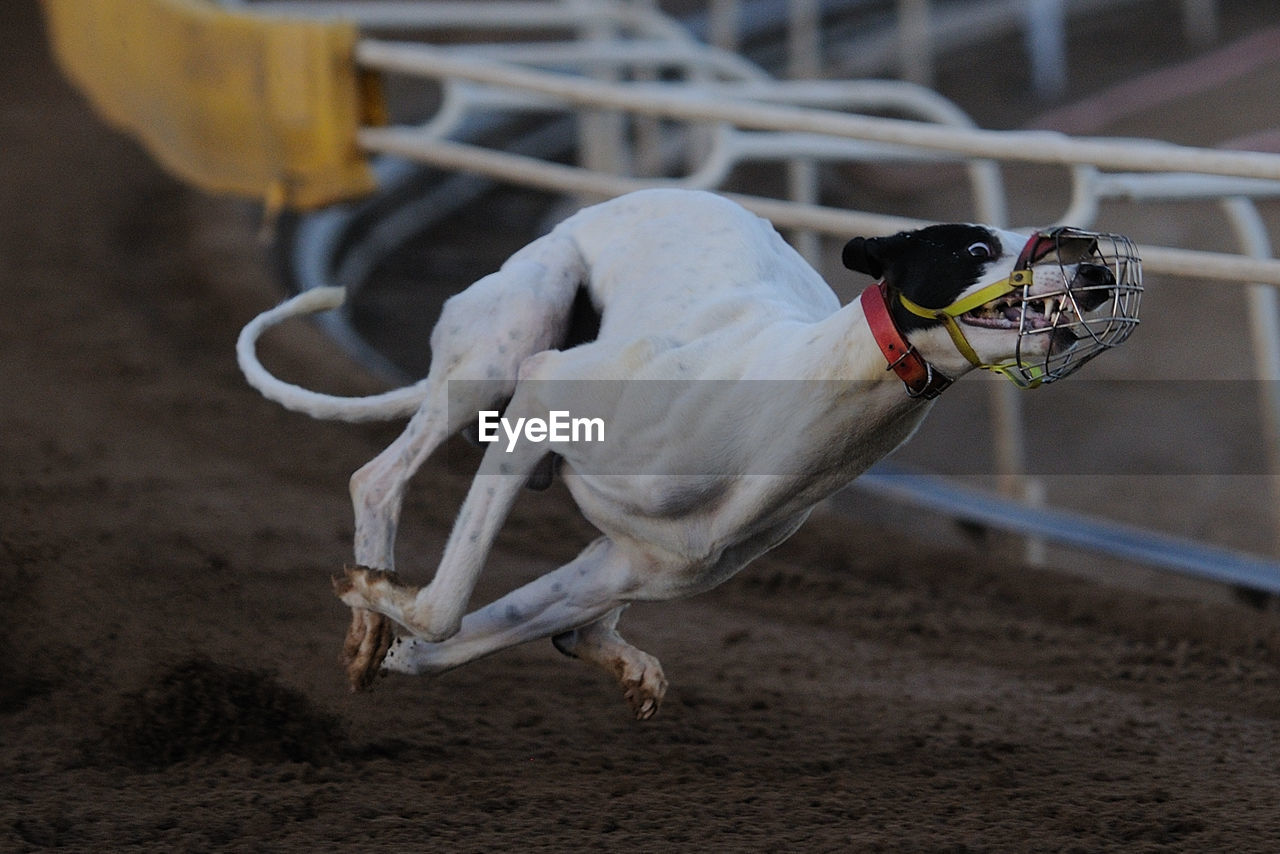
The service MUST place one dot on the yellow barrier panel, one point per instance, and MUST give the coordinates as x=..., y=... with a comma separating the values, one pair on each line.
x=230, y=101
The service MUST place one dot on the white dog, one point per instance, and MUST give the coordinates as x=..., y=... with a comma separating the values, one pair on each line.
x=739, y=394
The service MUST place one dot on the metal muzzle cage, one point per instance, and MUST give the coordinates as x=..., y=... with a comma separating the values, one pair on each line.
x=1091, y=305
x=1095, y=309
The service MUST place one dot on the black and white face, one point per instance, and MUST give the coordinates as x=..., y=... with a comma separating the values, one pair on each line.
x=937, y=266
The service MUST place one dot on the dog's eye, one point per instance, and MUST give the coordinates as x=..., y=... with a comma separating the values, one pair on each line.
x=981, y=250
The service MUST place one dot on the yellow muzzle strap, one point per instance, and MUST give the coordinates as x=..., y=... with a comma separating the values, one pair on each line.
x=1011, y=370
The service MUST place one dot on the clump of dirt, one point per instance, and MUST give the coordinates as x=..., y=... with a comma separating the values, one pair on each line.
x=201, y=708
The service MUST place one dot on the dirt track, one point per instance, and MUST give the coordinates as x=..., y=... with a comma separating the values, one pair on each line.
x=848, y=692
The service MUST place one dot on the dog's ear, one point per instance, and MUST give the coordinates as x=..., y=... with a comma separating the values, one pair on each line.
x=873, y=255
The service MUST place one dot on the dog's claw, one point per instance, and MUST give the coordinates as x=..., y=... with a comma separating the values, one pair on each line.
x=370, y=634
x=368, y=638
x=643, y=704
x=644, y=692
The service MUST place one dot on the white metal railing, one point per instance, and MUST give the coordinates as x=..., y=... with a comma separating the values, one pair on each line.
x=721, y=104
x=505, y=16
x=916, y=30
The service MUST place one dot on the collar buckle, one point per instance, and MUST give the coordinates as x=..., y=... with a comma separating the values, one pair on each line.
x=935, y=383
x=922, y=380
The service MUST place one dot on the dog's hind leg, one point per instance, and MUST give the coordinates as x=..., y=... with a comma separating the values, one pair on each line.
x=377, y=491
x=578, y=605
x=377, y=494
x=643, y=682
x=483, y=335
x=435, y=612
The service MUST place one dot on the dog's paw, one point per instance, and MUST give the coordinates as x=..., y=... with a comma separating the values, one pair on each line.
x=368, y=638
x=643, y=684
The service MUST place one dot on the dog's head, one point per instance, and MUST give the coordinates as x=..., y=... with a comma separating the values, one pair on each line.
x=1032, y=307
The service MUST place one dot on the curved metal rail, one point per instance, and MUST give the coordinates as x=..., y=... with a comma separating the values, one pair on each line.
x=824, y=131
x=1075, y=530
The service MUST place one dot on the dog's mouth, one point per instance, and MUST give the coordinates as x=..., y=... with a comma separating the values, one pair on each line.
x=1092, y=285
x=1015, y=312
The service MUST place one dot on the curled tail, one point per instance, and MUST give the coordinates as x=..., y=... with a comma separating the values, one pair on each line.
x=397, y=403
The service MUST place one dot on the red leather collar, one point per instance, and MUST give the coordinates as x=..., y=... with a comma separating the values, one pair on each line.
x=920, y=378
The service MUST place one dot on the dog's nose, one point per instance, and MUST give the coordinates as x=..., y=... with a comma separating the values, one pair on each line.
x=1091, y=286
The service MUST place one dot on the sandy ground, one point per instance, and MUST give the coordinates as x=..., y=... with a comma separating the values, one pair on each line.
x=168, y=641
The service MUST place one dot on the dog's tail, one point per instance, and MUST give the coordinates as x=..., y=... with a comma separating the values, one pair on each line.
x=396, y=403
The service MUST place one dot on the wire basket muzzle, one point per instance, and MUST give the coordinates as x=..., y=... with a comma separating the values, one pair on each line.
x=1094, y=310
